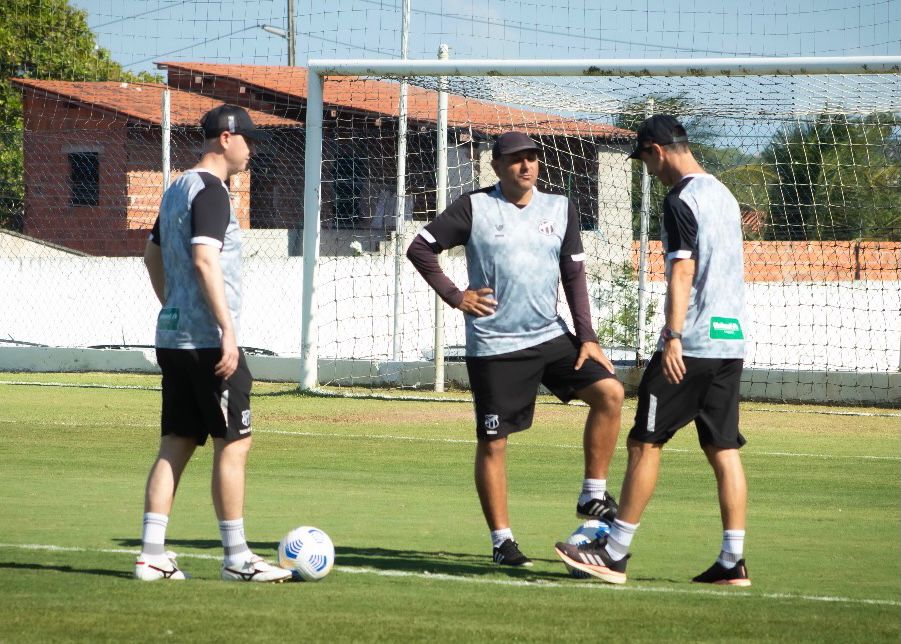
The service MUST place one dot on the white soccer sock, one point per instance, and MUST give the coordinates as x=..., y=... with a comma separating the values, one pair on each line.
x=499, y=536
x=733, y=547
x=233, y=542
x=620, y=538
x=153, y=537
x=592, y=489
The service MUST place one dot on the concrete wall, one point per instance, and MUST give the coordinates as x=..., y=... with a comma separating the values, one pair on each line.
x=13, y=244
x=86, y=301
x=611, y=245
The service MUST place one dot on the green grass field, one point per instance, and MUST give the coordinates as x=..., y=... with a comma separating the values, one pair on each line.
x=391, y=482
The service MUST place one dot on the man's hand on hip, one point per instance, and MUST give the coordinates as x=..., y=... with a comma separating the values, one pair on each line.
x=478, y=302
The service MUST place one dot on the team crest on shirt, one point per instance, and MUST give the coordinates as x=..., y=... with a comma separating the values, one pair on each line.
x=546, y=227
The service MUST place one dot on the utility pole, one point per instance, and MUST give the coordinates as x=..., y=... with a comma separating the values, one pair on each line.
x=291, y=33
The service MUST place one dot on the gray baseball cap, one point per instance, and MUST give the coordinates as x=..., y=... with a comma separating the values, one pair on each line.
x=510, y=142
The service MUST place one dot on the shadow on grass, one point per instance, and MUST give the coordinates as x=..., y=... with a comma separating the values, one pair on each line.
x=8, y=565
x=415, y=561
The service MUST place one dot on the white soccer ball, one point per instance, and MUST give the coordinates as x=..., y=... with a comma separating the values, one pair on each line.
x=588, y=531
x=307, y=550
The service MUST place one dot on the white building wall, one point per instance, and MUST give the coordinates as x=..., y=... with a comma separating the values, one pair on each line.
x=88, y=301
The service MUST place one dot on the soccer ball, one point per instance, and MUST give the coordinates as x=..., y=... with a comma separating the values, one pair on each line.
x=307, y=550
x=588, y=531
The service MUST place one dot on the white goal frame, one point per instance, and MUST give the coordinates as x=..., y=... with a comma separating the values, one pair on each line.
x=322, y=68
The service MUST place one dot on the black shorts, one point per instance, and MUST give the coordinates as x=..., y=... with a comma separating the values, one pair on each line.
x=504, y=386
x=708, y=395
x=196, y=402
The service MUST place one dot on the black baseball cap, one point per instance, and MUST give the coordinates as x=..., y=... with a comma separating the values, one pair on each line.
x=661, y=129
x=510, y=142
x=230, y=118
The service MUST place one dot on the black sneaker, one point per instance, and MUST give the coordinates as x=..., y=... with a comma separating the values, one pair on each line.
x=509, y=554
x=592, y=558
x=718, y=574
x=601, y=509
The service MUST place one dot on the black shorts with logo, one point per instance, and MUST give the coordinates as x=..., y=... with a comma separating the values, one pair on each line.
x=708, y=395
x=196, y=402
x=504, y=387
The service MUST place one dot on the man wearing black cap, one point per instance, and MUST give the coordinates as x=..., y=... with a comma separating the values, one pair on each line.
x=520, y=243
x=193, y=257
x=695, y=374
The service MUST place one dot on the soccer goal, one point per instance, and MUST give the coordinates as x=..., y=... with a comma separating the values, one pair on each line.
x=811, y=148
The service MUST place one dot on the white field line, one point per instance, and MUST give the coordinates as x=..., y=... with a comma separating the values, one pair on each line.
x=76, y=385
x=389, y=397
x=561, y=446
x=465, y=441
x=521, y=583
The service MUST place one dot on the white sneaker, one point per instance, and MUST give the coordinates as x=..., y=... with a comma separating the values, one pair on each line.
x=154, y=567
x=255, y=569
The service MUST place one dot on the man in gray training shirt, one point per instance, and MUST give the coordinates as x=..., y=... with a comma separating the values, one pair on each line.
x=695, y=374
x=520, y=243
x=194, y=261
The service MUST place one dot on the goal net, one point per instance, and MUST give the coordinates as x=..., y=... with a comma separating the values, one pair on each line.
x=812, y=154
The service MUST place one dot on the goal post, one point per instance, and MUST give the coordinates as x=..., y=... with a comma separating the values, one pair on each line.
x=753, y=109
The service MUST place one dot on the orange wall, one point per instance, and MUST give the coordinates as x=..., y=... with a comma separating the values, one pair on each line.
x=773, y=261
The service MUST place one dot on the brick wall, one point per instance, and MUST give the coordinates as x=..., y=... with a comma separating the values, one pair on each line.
x=53, y=130
x=769, y=261
x=145, y=176
x=130, y=177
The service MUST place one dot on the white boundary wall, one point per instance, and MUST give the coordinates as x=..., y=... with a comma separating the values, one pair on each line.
x=846, y=333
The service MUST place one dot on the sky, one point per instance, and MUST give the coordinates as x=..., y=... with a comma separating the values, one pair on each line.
x=139, y=32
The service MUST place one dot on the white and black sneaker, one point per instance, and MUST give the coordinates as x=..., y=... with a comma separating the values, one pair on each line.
x=158, y=567
x=509, y=554
x=255, y=569
x=600, y=509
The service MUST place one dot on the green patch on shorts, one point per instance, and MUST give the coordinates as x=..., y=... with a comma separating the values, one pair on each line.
x=725, y=329
x=168, y=320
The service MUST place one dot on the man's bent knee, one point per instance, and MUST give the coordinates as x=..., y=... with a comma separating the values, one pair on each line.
x=603, y=395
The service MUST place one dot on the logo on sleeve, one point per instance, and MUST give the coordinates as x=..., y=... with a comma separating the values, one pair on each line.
x=546, y=227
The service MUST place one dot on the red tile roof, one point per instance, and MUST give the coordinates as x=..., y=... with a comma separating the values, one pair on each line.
x=380, y=98
x=140, y=101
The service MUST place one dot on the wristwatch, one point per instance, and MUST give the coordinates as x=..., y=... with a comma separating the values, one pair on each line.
x=669, y=334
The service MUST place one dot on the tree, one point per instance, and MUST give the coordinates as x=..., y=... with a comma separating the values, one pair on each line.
x=44, y=39
x=837, y=177
x=858, y=194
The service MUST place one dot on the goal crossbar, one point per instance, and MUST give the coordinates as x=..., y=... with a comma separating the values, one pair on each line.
x=756, y=66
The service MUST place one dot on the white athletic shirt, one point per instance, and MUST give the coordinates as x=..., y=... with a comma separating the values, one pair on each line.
x=702, y=221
